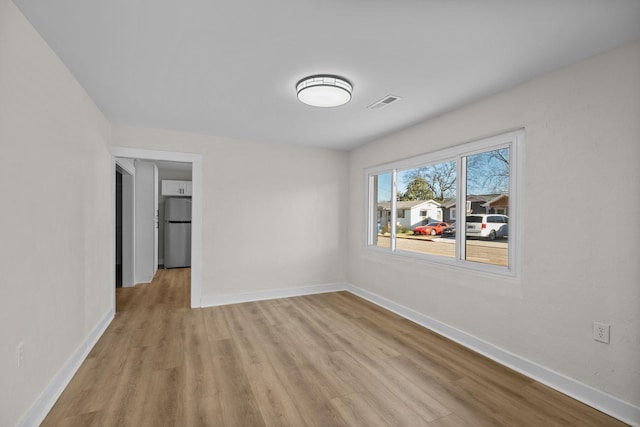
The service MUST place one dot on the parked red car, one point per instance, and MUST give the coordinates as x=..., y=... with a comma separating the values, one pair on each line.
x=431, y=229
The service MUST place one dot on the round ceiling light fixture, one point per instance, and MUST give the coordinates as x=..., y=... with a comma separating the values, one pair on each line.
x=324, y=91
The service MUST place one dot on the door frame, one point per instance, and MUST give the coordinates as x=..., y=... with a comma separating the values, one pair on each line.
x=196, y=207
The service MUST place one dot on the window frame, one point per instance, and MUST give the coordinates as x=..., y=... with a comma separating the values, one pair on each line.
x=514, y=140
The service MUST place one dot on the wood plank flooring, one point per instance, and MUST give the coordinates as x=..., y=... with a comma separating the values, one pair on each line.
x=321, y=360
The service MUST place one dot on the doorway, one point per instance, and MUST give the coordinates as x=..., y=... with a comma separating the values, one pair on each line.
x=195, y=160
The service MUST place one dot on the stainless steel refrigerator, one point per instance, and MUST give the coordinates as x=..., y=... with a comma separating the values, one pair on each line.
x=177, y=232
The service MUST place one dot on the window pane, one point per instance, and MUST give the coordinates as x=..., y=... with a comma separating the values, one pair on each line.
x=478, y=213
x=425, y=195
x=487, y=230
x=381, y=206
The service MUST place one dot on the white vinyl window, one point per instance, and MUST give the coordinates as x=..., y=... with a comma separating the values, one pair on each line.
x=483, y=176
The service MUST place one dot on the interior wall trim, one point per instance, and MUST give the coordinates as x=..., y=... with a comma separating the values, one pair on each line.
x=41, y=407
x=604, y=402
x=218, y=300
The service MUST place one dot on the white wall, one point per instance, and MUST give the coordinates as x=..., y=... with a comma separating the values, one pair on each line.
x=56, y=251
x=433, y=212
x=274, y=215
x=145, y=179
x=582, y=144
x=128, y=230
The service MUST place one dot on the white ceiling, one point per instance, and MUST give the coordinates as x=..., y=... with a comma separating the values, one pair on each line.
x=229, y=68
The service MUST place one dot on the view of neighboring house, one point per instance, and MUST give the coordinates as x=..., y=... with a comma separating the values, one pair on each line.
x=414, y=213
x=478, y=204
x=498, y=205
x=410, y=213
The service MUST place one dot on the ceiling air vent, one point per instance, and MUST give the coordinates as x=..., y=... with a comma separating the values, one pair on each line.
x=389, y=99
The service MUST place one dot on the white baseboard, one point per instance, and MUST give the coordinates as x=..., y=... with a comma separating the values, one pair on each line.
x=41, y=407
x=597, y=399
x=217, y=300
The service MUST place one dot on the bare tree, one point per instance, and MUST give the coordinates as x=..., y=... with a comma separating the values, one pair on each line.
x=488, y=172
x=439, y=178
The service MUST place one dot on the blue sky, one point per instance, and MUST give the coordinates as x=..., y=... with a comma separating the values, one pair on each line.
x=484, y=176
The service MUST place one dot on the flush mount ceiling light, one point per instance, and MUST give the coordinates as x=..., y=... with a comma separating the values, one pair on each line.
x=324, y=91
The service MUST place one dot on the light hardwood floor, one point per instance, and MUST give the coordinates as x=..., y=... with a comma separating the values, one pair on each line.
x=321, y=360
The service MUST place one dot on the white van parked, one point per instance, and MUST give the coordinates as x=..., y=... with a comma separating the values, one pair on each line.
x=487, y=226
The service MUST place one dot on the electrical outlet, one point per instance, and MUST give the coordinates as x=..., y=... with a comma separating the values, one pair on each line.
x=601, y=332
x=20, y=354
